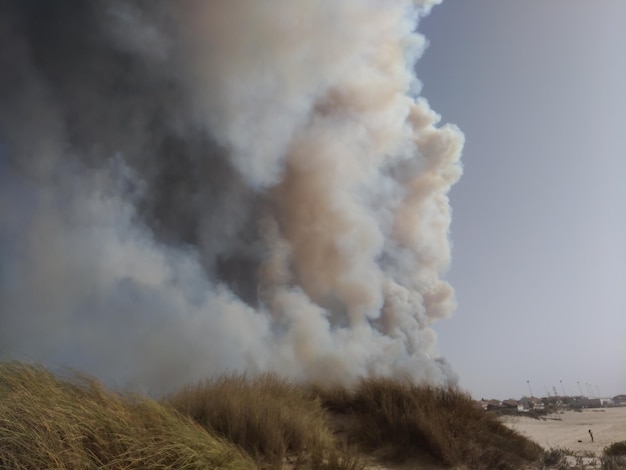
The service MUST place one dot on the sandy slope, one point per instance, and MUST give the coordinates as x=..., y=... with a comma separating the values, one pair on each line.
x=570, y=429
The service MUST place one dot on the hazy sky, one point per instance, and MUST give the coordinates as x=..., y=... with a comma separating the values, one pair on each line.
x=539, y=217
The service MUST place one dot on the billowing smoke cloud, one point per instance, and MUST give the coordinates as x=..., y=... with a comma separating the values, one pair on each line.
x=194, y=187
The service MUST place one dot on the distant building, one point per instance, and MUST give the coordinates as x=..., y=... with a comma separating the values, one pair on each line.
x=493, y=405
x=619, y=400
x=585, y=402
x=530, y=403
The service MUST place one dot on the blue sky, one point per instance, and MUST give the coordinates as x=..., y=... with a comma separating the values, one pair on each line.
x=539, y=217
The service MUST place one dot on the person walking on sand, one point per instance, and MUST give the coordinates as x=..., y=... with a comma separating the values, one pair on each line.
x=591, y=434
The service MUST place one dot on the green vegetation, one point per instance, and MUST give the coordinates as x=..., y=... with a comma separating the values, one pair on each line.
x=237, y=422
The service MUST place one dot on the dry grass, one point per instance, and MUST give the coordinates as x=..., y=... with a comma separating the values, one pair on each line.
x=236, y=422
x=402, y=421
x=616, y=449
x=46, y=422
x=614, y=457
x=271, y=418
x=556, y=458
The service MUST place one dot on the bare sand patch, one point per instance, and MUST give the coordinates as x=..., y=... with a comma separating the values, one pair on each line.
x=569, y=429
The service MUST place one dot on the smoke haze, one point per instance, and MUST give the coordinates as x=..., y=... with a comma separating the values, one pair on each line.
x=195, y=187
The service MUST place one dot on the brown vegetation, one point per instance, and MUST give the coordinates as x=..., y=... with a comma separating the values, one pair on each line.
x=614, y=457
x=400, y=421
x=236, y=422
x=46, y=422
x=616, y=449
x=270, y=418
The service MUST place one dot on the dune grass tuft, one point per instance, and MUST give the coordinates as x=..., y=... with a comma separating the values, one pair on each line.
x=400, y=421
x=614, y=456
x=46, y=422
x=271, y=418
x=616, y=449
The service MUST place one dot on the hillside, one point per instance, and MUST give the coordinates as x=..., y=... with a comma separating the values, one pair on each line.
x=239, y=422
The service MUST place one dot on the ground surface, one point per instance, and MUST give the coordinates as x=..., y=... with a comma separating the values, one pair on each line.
x=570, y=429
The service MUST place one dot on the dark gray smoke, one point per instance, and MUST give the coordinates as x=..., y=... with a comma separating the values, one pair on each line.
x=199, y=186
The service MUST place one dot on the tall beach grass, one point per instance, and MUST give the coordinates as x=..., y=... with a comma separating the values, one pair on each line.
x=76, y=423
x=241, y=422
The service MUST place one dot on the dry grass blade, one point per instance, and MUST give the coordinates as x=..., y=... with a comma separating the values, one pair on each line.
x=269, y=417
x=46, y=422
x=402, y=421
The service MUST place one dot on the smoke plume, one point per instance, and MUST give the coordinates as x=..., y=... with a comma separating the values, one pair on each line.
x=195, y=187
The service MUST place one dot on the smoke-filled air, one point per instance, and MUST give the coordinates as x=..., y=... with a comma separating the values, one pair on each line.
x=196, y=187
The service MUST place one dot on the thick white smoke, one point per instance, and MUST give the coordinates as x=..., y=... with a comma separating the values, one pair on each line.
x=188, y=188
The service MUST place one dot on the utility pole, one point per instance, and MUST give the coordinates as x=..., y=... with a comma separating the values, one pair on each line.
x=530, y=389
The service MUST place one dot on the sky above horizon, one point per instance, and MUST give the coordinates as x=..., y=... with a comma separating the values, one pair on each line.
x=176, y=259
x=539, y=216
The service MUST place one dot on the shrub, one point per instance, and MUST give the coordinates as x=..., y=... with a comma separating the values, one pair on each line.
x=556, y=458
x=267, y=416
x=612, y=462
x=408, y=420
x=616, y=449
x=614, y=457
